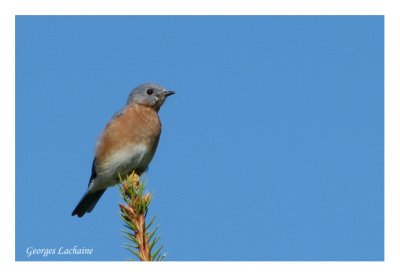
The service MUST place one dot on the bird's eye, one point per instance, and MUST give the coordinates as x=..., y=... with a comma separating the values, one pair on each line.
x=149, y=91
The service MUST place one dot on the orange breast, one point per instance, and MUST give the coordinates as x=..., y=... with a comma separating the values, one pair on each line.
x=136, y=125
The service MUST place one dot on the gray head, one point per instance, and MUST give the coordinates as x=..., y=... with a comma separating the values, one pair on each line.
x=150, y=95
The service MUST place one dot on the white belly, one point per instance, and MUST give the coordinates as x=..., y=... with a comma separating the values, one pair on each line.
x=122, y=162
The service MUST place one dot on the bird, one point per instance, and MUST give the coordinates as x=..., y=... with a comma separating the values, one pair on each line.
x=128, y=143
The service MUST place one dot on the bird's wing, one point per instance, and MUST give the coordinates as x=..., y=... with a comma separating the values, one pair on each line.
x=94, y=173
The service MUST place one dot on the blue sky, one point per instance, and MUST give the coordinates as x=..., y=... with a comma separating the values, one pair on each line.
x=272, y=147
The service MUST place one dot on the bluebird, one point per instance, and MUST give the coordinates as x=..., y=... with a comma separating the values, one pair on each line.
x=127, y=144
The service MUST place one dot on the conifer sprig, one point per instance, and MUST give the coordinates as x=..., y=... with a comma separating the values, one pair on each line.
x=142, y=236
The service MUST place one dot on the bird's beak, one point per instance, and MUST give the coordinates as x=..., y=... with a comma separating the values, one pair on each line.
x=168, y=93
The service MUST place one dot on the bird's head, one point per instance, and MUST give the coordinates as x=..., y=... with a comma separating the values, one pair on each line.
x=150, y=95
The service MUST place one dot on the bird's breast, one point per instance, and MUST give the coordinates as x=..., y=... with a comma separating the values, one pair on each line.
x=128, y=143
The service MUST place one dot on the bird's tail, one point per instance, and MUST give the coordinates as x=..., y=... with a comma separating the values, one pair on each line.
x=87, y=203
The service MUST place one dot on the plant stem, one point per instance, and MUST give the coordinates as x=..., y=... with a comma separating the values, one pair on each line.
x=135, y=213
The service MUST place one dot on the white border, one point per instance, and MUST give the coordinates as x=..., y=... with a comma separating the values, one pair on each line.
x=8, y=10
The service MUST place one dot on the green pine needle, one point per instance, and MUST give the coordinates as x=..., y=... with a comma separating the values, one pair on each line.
x=141, y=236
